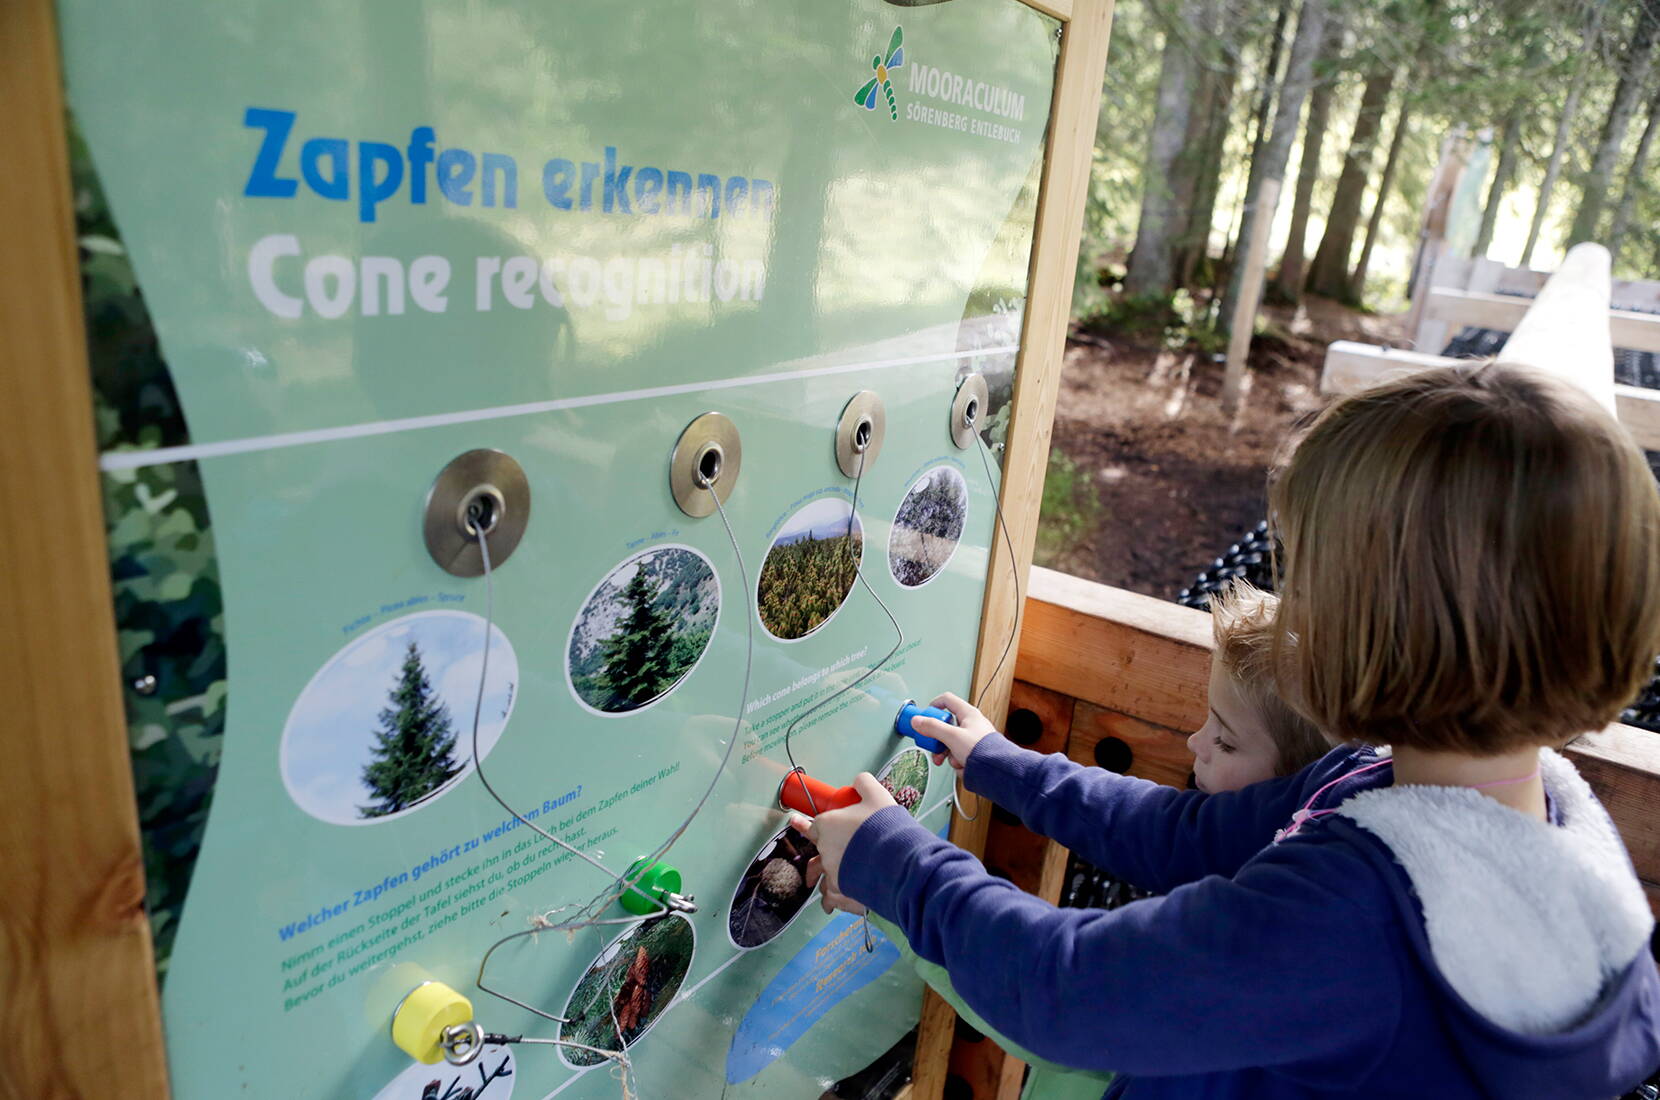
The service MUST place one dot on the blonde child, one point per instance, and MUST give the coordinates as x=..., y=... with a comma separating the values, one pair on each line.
x=1250, y=734
x=1471, y=576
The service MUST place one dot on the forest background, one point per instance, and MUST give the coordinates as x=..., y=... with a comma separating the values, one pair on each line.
x=1346, y=106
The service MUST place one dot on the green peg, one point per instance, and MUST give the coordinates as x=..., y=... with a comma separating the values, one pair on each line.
x=653, y=888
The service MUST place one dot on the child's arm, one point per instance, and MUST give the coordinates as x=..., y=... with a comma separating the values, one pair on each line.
x=1289, y=963
x=1150, y=835
x=940, y=982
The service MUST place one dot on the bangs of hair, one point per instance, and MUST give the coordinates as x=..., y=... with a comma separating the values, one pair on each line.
x=1472, y=563
x=1242, y=623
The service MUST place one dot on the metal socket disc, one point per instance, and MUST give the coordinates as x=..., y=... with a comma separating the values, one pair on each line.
x=707, y=454
x=864, y=410
x=968, y=410
x=497, y=481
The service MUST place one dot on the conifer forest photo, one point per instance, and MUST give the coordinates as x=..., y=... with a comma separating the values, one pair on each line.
x=810, y=569
x=643, y=629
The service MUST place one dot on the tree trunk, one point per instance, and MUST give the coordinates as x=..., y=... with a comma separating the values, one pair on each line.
x=1559, y=144
x=1328, y=274
x=1510, y=143
x=1633, y=75
x=1635, y=181
x=1196, y=162
x=1270, y=82
x=1288, y=284
x=1151, y=263
x=1270, y=164
x=1403, y=119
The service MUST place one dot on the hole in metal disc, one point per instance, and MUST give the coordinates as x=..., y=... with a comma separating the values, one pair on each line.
x=971, y=411
x=708, y=465
x=481, y=511
x=861, y=435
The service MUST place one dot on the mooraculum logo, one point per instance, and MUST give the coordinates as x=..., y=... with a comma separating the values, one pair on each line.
x=866, y=95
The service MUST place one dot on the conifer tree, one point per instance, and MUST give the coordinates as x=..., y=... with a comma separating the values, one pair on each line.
x=636, y=659
x=414, y=750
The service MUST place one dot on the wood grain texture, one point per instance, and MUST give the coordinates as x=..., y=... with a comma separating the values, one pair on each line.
x=77, y=980
x=1622, y=765
x=1069, y=151
x=1059, y=9
x=1158, y=752
x=1504, y=312
x=1125, y=652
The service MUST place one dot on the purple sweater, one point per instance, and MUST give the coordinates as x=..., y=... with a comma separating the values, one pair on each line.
x=1289, y=970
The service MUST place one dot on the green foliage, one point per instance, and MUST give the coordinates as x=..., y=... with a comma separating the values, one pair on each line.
x=1070, y=507
x=1179, y=322
x=631, y=988
x=803, y=582
x=633, y=645
x=637, y=661
x=414, y=749
x=163, y=568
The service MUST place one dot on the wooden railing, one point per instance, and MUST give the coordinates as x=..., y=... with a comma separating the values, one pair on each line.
x=1116, y=679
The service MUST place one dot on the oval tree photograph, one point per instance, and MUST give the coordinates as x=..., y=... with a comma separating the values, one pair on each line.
x=626, y=988
x=928, y=526
x=643, y=629
x=386, y=725
x=810, y=568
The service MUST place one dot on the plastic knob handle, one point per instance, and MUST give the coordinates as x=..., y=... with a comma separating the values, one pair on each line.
x=903, y=727
x=797, y=786
x=420, y=1020
x=646, y=897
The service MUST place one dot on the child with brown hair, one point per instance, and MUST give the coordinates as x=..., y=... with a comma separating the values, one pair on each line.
x=1472, y=577
x=1250, y=734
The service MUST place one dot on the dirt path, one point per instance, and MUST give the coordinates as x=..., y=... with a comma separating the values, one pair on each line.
x=1163, y=481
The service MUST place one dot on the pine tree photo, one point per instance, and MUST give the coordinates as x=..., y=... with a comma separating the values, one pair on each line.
x=636, y=660
x=635, y=639
x=414, y=749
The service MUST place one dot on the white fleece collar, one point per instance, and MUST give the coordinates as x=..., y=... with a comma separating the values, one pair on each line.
x=1527, y=921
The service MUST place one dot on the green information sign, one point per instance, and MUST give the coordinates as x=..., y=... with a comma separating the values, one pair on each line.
x=370, y=238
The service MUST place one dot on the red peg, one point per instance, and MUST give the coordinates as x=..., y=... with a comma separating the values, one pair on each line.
x=793, y=792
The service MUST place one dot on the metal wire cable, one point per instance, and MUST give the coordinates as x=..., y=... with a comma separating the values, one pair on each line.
x=859, y=575
x=588, y=915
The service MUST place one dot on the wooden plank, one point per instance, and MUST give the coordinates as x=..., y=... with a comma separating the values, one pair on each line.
x=1639, y=410
x=1622, y=765
x=1351, y=367
x=1059, y=9
x=1504, y=312
x=1639, y=295
x=1126, y=652
x=1157, y=752
x=1068, y=155
x=77, y=980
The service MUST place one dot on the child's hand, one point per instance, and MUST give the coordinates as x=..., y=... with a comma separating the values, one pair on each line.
x=961, y=738
x=832, y=831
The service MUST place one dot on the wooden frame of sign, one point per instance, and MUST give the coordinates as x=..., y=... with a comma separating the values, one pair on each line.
x=78, y=992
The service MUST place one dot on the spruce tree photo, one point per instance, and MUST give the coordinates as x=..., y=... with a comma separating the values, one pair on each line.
x=636, y=660
x=414, y=750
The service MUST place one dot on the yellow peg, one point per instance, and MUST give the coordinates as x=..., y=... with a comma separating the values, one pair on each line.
x=434, y=1023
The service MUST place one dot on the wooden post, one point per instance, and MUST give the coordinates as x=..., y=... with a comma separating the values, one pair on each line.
x=1067, y=158
x=1243, y=321
x=1565, y=331
x=78, y=1002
